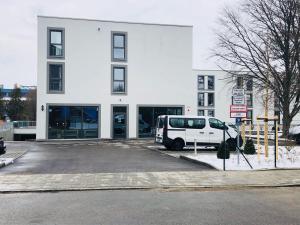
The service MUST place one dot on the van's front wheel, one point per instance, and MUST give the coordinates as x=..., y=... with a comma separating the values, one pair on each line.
x=178, y=145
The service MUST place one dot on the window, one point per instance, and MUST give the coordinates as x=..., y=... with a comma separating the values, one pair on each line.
x=250, y=115
x=249, y=100
x=119, y=45
x=200, y=112
x=119, y=79
x=215, y=123
x=200, y=82
x=148, y=118
x=210, y=99
x=176, y=122
x=200, y=99
x=55, y=43
x=249, y=84
x=72, y=122
x=240, y=82
x=210, y=82
x=195, y=123
x=55, y=77
x=211, y=113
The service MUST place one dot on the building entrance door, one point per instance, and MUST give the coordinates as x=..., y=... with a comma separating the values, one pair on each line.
x=120, y=122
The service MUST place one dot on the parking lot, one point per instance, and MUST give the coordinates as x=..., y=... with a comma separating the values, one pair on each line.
x=94, y=157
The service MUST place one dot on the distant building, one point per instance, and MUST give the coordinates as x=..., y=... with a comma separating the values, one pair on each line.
x=6, y=92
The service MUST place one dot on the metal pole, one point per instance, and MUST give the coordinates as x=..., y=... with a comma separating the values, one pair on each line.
x=275, y=144
x=238, y=144
x=195, y=146
x=224, y=167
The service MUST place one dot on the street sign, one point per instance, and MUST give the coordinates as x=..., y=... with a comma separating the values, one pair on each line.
x=238, y=114
x=238, y=121
x=238, y=108
x=238, y=96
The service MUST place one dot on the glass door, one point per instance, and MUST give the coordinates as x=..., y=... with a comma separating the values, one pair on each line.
x=119, y=122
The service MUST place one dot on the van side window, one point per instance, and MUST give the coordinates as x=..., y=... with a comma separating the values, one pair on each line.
x=195, y=123
x=176, y=122
x=215, y=123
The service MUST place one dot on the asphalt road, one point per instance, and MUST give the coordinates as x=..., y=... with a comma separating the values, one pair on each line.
x=247, y=207
x=93, y=157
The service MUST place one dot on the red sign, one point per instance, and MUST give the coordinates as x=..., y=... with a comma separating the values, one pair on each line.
x=238, y=108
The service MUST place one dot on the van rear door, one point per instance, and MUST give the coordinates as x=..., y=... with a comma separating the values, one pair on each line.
x=159, y=129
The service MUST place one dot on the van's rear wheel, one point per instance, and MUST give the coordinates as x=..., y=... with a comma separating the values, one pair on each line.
x=178, y=145
x=168, y=147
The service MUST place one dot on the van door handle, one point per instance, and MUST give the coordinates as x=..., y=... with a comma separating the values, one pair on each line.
x=211, y=132
x=201, y=132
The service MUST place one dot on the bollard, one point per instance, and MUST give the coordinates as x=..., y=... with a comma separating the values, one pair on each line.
x=258, y=137
x=195, y=146
x=243, y=133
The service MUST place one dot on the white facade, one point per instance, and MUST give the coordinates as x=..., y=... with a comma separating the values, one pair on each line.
x=222, y=91
x=159, y=62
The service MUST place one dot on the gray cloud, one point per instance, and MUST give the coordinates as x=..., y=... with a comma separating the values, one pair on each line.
x=18, y=19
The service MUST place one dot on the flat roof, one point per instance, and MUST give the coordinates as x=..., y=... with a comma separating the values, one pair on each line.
x=112, y=21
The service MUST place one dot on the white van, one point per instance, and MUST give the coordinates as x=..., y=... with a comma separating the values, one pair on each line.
x=176, y=132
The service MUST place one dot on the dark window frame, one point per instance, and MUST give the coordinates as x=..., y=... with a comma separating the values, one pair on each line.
x=201, y=93
x=213, y=99
x=124, y=67
x=212, y=110
x=203, y=77
x=240, y=82
x=214, y=83
x=125, y=35
x=62, y=79
x=49, y=30
x=202, y=110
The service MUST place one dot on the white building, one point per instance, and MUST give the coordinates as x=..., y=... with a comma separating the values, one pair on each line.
x=214, y=90
x=106, y=79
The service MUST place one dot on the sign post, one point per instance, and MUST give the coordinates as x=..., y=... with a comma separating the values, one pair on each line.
x=238, y=110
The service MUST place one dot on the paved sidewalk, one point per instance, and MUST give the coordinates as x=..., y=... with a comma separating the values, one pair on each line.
x=148, y=180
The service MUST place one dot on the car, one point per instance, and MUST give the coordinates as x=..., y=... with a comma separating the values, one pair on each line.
x=2, y=146
x=176, y=132
x=294, y=133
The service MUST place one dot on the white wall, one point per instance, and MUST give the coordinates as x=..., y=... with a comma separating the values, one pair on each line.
x=159, y=68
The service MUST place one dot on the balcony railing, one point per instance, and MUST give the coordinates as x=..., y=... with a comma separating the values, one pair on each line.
x=24, y=124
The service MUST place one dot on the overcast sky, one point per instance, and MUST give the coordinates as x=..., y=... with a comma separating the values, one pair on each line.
x=18, y=22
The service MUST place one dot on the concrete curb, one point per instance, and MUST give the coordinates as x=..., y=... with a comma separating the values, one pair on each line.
x=198, y=162
x=170, y=187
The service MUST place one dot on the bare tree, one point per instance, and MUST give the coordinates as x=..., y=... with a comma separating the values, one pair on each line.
x=261, y=39
x=30, y=105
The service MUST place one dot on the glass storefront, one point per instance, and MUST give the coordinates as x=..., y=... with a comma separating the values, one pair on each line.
x=148, y=117
x=72, y=122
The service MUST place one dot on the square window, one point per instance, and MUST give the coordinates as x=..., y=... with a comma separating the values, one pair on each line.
x=200, y=112
x=211, y=113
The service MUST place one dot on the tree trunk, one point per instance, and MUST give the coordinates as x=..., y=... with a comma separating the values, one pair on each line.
x=286, y=120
